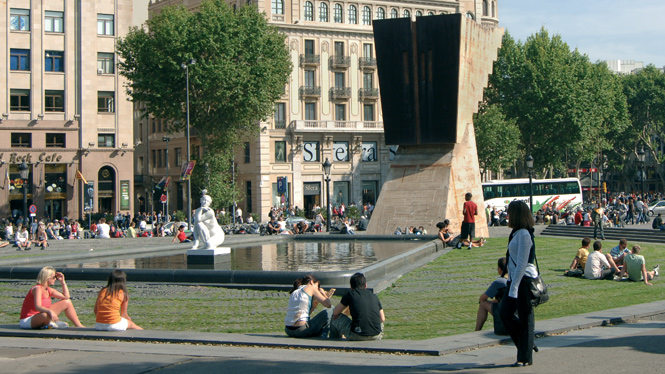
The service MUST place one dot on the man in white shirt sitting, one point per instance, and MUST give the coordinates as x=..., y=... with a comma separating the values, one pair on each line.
x=23, y=239
x=103, y=229
x=600, y=265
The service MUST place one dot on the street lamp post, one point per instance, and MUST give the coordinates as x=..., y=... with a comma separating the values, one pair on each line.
x=529, y=166
x=166, y=186
x=326, y=171
x=640, y=166
x=185, y=65
x=24, y=172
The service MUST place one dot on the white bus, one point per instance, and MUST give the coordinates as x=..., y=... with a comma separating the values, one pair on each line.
x=557, y=194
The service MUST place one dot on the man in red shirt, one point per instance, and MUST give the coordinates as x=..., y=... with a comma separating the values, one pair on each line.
x=181, y=236
x=470, y=211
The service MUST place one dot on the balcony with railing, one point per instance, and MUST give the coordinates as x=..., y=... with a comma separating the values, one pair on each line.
x=310, y=60
x=367, y=62
x=278, y=18
x=280, y=124
x=310, y=91
x=336, y=126
x=368, y=93
x=340, y=61
x=337, y=93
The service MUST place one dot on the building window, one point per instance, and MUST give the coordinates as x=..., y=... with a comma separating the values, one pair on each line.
x=19, y=19
x=310, y=111
x=406, y=13
x=54, y=101
x=337, y=14
x=309, y=47
x=339, y=80
x=277, y=7
x=139, y=163
x=368, y=112
x=310, y=80
x=340, y=112
x=369, y=152
x=486, y=11
x=309, y=11
x=310, y=152
x=353, y=15
x=367, y=16
x=419, y=13
x=367, y=50
x=323, y=12
x=340, y=151
x=280, y=116
x=105, y=101
x=380, y=13
x=153, y=159
x=54, y=21
x=280, y=151
x=368, y=80
x=21, y=140
x=105, y=63
x=55, y=140
x=159, y=158
x=393, y=13
x=178, y=157
x=248, y=196
x=246, y=148
x=105, y=24
x=19, y=100
x=430, y=13
x=339, y=49
x=106, y=140
x=19, y=59
x=53, y=61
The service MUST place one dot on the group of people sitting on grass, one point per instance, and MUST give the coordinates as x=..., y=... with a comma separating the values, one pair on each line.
x=39, y=312
x=446, y=236
x=358, y=316
x=621, y=263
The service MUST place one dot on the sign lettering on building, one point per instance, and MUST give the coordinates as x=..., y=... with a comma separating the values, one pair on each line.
x=310, y=151
x=369, y=152
x=341, y=151
x=17, y=158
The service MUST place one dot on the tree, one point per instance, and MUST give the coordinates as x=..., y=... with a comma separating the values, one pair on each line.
x=561, y=102
x=242, y=66
x=497, y=139
x=645, y=93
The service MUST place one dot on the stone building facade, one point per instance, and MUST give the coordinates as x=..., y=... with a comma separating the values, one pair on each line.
x=330, y=108
x=64, y=108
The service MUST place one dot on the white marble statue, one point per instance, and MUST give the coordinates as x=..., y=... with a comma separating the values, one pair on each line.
x=207, y=233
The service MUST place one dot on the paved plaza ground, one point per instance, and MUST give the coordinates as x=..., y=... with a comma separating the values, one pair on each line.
x=625, y=339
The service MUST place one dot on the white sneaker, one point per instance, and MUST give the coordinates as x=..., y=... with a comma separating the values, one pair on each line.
x=57, y=325
x=656, y=270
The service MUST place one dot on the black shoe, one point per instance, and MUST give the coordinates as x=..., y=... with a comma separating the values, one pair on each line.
x=535, y=348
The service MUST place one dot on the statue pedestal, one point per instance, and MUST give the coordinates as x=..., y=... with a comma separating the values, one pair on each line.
x=207, y=256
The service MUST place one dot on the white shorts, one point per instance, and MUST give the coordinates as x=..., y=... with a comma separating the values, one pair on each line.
x=26, y=323
x=120, y=326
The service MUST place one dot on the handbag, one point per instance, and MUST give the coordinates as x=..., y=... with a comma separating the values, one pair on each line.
x=537, y=287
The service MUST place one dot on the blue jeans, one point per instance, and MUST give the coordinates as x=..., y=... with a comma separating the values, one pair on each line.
x=342, y=326
x=315, y=327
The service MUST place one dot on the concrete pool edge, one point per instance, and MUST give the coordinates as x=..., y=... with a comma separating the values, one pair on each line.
x=380, y=275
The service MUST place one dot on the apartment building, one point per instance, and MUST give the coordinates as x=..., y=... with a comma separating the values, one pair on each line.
x=330, y=108
x=64, y=108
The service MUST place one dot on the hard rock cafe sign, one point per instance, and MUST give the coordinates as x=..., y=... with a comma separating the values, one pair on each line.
x=46, y=157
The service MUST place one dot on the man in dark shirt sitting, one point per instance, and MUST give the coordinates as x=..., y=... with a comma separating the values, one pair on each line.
x=273, y=227
x=366, y=322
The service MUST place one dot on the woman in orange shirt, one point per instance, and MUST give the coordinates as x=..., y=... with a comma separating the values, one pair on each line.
x=111, y=306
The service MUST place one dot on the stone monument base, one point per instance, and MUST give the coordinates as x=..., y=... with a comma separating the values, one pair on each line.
x=207, y=256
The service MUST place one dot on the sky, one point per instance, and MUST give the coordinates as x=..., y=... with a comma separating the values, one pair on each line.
x=601, y=29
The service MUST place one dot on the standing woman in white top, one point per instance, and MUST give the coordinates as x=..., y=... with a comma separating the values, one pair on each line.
x=305, y=296
x=521, y=251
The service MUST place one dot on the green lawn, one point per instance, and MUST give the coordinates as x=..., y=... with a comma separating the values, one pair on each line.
x=438, y=299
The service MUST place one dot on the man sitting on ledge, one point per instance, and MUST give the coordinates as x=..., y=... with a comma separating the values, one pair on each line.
x=366, y=322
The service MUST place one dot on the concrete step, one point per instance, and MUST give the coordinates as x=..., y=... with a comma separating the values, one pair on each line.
x=635, y=235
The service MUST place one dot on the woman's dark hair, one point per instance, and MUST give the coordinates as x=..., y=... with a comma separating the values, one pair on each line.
x=519, y=215
x=117, y=282
x=443, y=224
x=304, y=280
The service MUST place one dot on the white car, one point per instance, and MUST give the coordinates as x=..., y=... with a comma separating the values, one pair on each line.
x=656, y=207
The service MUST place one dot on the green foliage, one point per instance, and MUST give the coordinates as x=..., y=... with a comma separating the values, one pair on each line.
x=497, y=139
x=180, y=215
x=353, y=212
x=256, y=217
x=564, y=105
x=242, y=65
x=645, y=92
